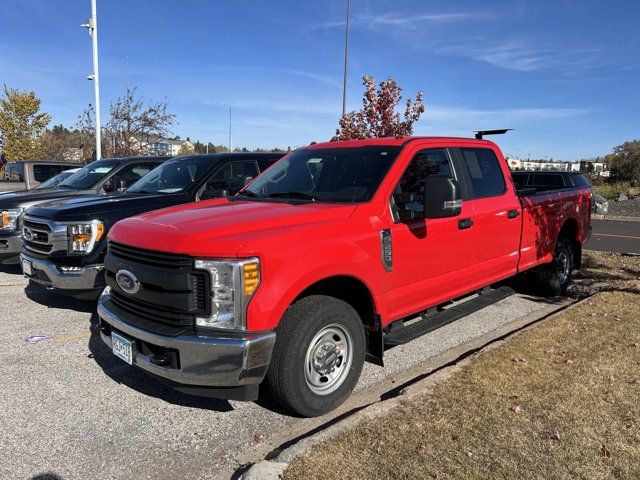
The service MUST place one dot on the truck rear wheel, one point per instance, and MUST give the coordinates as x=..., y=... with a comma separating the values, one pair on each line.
x=554, y=278
x=318, y=355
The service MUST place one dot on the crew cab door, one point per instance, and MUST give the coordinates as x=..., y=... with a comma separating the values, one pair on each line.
x=497, y=214
x=431, y=257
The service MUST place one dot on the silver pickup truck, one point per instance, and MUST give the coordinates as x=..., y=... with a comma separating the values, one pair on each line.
x=25, y=175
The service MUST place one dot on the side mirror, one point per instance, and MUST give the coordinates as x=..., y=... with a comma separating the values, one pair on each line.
x=247, y=180
x=442, y=197
x=107, y=187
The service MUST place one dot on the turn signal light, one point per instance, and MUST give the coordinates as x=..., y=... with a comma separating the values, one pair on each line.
x=5, y=219
x=251, y=278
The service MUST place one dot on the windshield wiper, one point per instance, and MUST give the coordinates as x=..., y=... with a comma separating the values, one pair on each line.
x=65, y=186
x=300, y=195
x=248, y=193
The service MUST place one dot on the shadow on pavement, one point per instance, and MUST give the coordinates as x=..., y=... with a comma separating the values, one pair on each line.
x=14, y=269
x=139, y=381
x=46, y=476
x=41, y=295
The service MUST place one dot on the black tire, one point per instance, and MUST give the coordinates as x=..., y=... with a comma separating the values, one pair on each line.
x=553, y=279
x=287, y=377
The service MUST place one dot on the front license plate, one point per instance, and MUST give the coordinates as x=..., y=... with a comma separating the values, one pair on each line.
x=26, y=267
x=122, y=348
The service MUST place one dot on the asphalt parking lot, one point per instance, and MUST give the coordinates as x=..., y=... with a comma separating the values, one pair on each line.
x=71, y=410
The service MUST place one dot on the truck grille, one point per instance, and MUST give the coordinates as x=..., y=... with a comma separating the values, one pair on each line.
x=171, y=291
x=37, y=236
x=150, y=257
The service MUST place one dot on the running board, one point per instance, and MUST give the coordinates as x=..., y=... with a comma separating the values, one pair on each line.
x=402, y=333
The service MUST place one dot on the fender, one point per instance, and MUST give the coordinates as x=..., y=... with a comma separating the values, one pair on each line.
x=278, y=292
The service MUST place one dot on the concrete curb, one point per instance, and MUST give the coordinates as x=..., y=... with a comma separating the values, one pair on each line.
x=444, y=365
x=615, y=218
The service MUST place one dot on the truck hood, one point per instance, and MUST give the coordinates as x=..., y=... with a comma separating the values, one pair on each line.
x=107, y=208
x=219, y=228
x=27, y=198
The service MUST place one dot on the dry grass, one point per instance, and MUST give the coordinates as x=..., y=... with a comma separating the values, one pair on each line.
x=561, y=400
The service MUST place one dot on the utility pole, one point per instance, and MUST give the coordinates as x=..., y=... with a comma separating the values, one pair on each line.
x=92, y=26
x=346, y=63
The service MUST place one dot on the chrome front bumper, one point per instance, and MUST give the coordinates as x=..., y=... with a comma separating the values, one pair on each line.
x=51, y=276
x=203, y=361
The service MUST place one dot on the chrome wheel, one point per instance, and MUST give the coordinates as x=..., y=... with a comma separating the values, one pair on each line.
x=563, y=267
x=328, y=359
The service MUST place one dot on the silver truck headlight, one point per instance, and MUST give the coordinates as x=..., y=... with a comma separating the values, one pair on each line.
x=233, y=284
x=83, y=237
x=10, y=219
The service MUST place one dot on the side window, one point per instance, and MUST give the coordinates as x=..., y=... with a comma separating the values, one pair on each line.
x=484, y=171
x=42, y=173
x=130, y=175
x=229, y=179
x=520, y=179
x=548, y=180
x=240, y=172
x=580, y=180
x=423, y=164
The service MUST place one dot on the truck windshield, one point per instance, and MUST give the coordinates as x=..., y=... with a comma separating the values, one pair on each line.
x=342, y=175
x=173, y=176
x=88, y=176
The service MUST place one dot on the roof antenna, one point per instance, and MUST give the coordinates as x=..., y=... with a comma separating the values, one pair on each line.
x=482, y=133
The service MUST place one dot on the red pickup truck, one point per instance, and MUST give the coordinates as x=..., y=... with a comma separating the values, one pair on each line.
x=335, y=253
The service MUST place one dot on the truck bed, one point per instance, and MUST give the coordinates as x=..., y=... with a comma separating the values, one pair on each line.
x=544, y=211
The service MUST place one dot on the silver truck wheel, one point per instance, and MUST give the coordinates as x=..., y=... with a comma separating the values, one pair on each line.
x=328, y=359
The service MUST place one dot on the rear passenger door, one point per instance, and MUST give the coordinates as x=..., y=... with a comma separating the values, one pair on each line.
x=496, y=214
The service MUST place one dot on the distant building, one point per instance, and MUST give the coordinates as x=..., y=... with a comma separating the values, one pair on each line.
x=162, y=147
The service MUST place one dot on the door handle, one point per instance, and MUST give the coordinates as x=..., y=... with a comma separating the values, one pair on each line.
x=464, y=223
x=513, y=213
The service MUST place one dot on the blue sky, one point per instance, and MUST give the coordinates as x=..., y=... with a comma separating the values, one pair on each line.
x=565, y=74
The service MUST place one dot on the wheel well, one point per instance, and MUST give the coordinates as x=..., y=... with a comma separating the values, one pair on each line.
x=347, y=289
x=570, y=230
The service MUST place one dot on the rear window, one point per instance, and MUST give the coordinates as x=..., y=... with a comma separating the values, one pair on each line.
x=484, y=171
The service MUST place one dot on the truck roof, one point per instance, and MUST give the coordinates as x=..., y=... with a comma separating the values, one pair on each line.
x=399, y=141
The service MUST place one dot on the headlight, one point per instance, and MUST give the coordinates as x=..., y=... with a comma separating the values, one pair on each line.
x=233, y=284
x=84, y=236
x=10, y=219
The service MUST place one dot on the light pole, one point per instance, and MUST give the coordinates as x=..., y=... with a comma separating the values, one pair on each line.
x=346, y=63
x=92, y=26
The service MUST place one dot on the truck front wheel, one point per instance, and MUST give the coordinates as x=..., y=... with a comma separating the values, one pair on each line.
x=554, y=278
x=318, y=355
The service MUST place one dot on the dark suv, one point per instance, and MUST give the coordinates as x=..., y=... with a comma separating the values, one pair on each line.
x=65, y=240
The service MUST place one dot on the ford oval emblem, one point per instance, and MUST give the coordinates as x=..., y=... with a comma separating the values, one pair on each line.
x=127, y=281
x=28, y=234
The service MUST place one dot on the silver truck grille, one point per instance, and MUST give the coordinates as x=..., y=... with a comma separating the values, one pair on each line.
x=43, y=236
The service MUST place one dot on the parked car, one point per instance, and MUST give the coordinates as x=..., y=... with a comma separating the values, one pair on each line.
x=335, y=253
x=25, y=175
x=107, y=176
x=65, y=240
